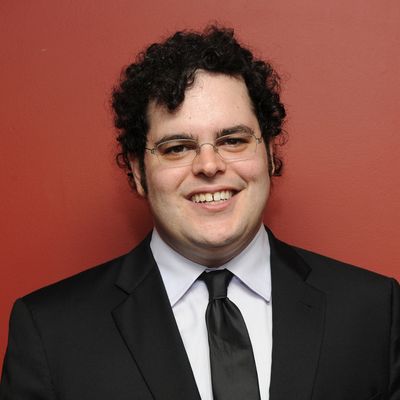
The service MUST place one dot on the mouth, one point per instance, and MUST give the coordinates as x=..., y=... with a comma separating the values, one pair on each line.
x=212, y=197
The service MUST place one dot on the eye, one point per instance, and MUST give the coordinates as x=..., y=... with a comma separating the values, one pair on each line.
x=234, y=142
x=176, y=148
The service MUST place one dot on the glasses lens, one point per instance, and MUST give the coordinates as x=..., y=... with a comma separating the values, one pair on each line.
x=232, y=147
x=236, y=146
x=177, y=152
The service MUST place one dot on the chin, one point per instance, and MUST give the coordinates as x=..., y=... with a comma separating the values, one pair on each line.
x=216, y=239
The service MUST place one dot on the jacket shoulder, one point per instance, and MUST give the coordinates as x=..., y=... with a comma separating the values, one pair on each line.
x=331, y=274
x=88, y=284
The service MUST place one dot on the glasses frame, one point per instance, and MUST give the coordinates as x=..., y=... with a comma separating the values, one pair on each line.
x=155, y=152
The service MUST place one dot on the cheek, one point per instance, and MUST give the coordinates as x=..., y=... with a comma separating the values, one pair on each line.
x=162, y=182
x=256, y=172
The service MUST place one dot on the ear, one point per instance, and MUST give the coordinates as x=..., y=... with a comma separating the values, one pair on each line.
x=271, y=158
x=137, y=176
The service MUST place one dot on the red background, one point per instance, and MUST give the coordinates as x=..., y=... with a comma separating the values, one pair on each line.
x=66, y=207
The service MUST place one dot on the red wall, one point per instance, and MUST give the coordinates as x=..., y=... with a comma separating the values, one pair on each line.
x=65, y=206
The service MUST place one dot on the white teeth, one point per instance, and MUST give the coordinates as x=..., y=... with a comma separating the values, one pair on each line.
x=210, y=197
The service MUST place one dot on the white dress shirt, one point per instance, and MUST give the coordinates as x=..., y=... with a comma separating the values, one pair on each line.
x=250, y=290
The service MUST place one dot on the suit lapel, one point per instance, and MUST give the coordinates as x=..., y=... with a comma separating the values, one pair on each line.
x=146, y=322
x=298, y=312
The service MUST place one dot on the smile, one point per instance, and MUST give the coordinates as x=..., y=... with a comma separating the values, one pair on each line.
x=212, y=197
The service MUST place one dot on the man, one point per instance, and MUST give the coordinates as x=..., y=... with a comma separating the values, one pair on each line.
x=211, y=304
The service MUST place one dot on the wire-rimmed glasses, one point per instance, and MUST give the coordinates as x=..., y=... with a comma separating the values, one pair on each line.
x=230, y=147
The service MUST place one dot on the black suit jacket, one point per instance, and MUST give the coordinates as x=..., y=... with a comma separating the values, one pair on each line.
x=109, y=333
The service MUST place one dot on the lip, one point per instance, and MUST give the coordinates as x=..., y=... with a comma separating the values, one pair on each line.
x=214, y=207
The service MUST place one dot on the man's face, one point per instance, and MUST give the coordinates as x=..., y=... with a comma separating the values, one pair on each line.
x=210, y=233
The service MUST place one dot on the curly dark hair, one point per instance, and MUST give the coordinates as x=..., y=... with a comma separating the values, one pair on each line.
x=164, y=71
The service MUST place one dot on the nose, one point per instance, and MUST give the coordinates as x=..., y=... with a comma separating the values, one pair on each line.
x=208, y=162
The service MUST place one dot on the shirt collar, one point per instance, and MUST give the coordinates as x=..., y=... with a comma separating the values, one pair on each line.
x=251, y=266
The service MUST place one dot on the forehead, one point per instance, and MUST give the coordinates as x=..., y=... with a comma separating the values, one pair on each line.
x=214, y=102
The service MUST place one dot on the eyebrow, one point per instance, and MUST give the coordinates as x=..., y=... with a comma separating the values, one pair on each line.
x=174, y=136
x=220, y=133
x=235, y=129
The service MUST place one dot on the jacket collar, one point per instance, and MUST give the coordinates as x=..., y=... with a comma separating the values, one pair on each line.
x=298, y=311
x=158, y=350
x=147, y=325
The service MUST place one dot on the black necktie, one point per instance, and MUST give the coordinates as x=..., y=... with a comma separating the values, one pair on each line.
x=233, y=370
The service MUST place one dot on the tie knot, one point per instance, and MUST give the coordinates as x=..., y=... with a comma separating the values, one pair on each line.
x=217, y=283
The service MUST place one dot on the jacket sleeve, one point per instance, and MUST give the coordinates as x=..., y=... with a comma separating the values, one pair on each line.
x=394, y=387
x=25, y=371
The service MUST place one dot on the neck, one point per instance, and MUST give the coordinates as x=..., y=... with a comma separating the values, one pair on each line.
x=209, y=254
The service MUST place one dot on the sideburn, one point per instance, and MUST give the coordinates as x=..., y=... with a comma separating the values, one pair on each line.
x=143, y=180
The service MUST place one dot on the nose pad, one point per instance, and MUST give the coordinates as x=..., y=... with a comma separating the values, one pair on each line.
x=208, y=161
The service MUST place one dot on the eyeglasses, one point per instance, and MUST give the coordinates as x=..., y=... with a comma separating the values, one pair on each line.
x=231, y=147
